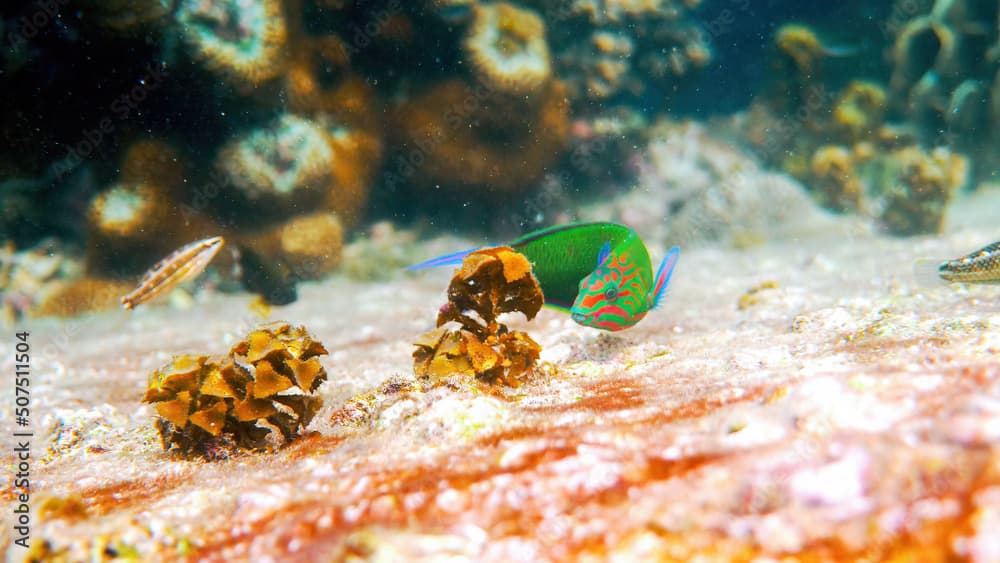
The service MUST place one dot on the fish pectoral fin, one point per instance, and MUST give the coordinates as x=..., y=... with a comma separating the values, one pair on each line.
x=927, y=271
x=662, y=279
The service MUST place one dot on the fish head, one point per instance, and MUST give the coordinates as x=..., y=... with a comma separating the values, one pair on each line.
x=611, y=297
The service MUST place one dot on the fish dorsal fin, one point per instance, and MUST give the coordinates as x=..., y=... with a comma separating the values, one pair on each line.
x=663, y=276
x=604, y=253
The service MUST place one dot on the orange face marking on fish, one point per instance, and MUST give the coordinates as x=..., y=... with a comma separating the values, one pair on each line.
x=613, y=296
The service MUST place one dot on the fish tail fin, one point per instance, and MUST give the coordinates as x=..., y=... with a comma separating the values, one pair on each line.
x=928, y=272
x=452, y=259
x=663, y=274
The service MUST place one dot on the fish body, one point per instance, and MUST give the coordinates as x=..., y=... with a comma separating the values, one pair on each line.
x=181, y=265
x=981, y=266
x=599, y=272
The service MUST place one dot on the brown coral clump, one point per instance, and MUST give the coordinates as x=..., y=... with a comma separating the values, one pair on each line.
x=800, y=44
x=137, y=217
x=321, y=84
x=606, y=48
x=310, y=245
x=835, y=179
x=281, y=167
x=918, y=188
x=507, y=47
x=127, y=223
x=297, y=163
x=81, y=296
x=266, y=383
x=320, y=81
x=357, y=154
x=463, y=139
x=244, y=41
x=490, y=282
x=860, y=109
x=155, y=161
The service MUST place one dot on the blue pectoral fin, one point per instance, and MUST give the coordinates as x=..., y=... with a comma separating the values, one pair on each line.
x=662, y=279
x=604, y=252
x=453, y=259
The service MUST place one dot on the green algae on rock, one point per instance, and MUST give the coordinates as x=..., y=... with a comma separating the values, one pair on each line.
x=266, y=382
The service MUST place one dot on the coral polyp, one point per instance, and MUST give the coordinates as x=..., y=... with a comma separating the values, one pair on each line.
x=243, y=40
x=508, y=48
x=283, y=166
x=127, y=210
x=125, y=222
x=320, y=81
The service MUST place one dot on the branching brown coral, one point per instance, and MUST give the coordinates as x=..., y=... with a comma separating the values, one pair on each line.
x=834, y=179
x=919, y=187
x=266, y=382
x=490, y=282
x=939, y=79
x=603, y=48
x=860, y=109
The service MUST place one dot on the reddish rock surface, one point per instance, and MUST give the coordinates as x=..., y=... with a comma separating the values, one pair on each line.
x=843, y=414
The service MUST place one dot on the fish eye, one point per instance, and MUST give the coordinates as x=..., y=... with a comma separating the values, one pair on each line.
x=610, y=293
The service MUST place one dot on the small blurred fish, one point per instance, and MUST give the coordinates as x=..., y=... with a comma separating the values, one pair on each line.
x=981, y=266
x=183, y=264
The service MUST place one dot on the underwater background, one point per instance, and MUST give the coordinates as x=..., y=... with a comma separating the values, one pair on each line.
x=131, y=128
x=802, y=391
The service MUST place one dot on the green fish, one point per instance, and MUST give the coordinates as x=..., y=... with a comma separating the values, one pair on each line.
x=599, y=272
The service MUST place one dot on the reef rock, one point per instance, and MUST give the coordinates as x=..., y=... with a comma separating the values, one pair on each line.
x=693, y=189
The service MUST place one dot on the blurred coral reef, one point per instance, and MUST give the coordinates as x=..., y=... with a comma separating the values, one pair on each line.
x=694, y=189
x=245, y=118
x=609, y=47
x=897, y=150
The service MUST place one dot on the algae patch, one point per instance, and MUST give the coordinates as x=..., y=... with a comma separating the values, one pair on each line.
x=266, y=383
x=490, y=281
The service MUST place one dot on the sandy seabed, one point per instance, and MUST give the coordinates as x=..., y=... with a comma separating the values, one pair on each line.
x=805, y=399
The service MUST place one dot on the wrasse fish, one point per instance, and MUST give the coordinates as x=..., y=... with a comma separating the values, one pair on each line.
x=599, y=272
x=981, y=266
x=183, y=264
